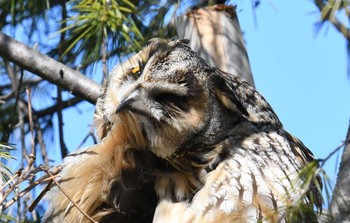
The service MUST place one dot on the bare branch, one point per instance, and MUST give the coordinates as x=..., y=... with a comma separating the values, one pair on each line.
x=39, y=136
x=90, y=133
x=32, y=185
x=30, y=115
x=41, y=195
x=25, y=82
x=64, y=150
x=52, y=109
x=48, y=68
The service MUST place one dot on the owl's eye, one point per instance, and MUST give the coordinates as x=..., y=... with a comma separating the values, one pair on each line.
x=136, y=72
x=172, y=100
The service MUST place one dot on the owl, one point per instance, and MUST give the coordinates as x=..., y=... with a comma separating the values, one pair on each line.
x=181, y=141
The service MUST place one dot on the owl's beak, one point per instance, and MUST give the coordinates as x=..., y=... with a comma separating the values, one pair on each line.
x=124, y=105
x=133, y=103
x=128, y=101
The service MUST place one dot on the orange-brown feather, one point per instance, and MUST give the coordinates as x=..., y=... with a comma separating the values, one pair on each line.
x=87, y=174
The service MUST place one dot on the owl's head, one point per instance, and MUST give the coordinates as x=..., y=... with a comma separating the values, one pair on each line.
x=178, y=100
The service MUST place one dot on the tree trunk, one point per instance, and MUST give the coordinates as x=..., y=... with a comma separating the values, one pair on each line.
x=216, y=35
x=340, y=204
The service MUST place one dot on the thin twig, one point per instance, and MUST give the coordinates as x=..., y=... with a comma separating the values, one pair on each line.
x=34, y=213
x=30, y=114
x=31, y=158
x=73, y=202
x=18, y=220
x=104, y=55
x=41, y=195
x=6, y=97
x=39, y=137
x=90, y=133
x=45, y=178
x=16, y=88
x=323, y=161
x=64, y=150
x=9, y=181
x=25, y=82
x=22, y=177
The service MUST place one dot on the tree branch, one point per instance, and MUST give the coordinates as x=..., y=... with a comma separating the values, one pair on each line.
x=49, y=69
x=24, y=83
x=50, y=110
x=53, y=108
x=333, y=19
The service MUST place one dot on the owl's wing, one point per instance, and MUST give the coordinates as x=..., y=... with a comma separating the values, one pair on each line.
x=255, y=183
x=308, y=161
x=259, y=178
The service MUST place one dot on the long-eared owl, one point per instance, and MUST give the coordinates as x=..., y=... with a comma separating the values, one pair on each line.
x=182, y=141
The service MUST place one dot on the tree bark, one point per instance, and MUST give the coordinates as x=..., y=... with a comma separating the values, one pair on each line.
x=49, y=69
x=340, y=204
x=214, y=32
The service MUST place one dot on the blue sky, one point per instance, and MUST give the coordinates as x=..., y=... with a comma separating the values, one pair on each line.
x=302, y=74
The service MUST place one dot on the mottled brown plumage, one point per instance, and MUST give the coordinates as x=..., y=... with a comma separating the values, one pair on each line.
x=183, y=142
